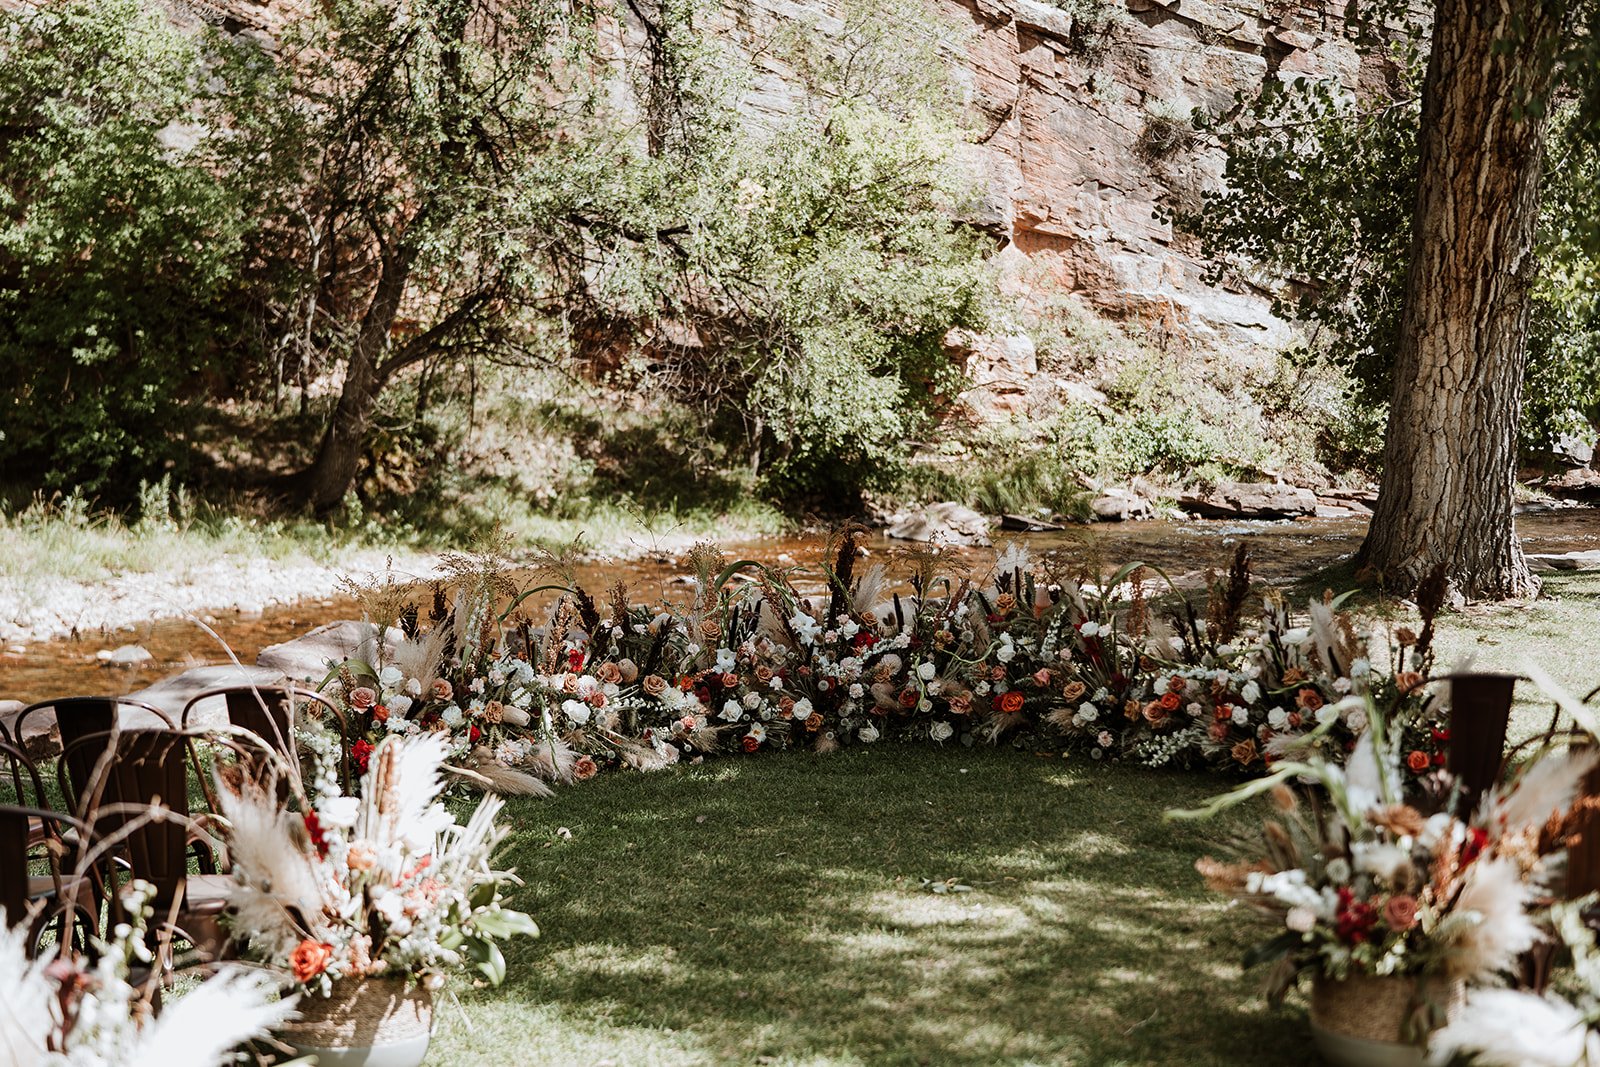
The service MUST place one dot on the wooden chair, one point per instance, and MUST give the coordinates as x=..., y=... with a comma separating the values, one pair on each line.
x=116, y=781
x=269, y=713
x=80, y=716
x=66, y=899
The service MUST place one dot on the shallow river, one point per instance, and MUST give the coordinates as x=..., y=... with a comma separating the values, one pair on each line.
x=1280, y=550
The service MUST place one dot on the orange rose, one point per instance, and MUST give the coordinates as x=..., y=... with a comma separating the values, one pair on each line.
x=1005, y=603
x=730, y=681
x=786, y=706
x=380, y=713
x=1417, y=760
x=1156, y=714
x=1011, y=702
x=309, y=959
x=814, y=723
x=1309, y=699
x=584, y=768
x=1170, y=701
x=1223, y=713
x=1245, y=752
x=1073, y=691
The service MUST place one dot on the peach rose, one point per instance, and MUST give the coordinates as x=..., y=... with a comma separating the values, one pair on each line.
x=569, y=683
x=814, y=723
x=1041, y=676
x=361, y=856
x=493, y=712
x=710, y=629
x=1131, y=710
x=1406, y=681
x=609, y=674
x=1245, y=752
x=730, y=680
x=1309, y=699
x=960, y=703
x=584, y=768
x=1156, y=714
x=786, y=705
x=441, y=689
x=654, y=685
x=309, y=959
x=1005, y=603
x=1073, y=691
x=1400, y=912
x=362, y=697
x=763, y=674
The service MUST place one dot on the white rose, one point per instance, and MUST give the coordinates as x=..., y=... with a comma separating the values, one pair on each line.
x=339, y=811
x=926, y=671
x=802, y=708
x=1006, y=652
x=751, y=701
x=868, y=734
x=1088, y=712
x=1090, y=629
x=1356, y=720
x=1240, y=716
x=1251, y=692
x=413, y=687
x=1277, y=718
x=940, y=731
x=390, y=676
x=731, y=711
x=577, y=711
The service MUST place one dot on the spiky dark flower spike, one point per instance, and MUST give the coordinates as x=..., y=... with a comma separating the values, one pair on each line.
x=844, y=566
x=1227, y=606
x=1431, y=593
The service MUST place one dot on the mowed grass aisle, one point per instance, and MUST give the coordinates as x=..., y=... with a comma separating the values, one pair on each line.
x=772, y=910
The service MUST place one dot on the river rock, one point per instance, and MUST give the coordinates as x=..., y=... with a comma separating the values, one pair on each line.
x=1023, y=524
x=125, y=656
x=1580, y=483
x=173, y=693
x=948, y=522
x=1565, y=561
x=1119, y=505
x=1251, y=500
x=306, y=658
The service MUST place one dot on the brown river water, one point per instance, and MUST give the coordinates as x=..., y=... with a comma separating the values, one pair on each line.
x=1281, y=550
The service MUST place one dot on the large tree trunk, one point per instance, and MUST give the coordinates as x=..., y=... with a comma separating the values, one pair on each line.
x=333, y=472
x=1449, y=460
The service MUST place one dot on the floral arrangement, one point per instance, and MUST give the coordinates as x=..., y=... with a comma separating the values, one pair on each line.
x=68, y=1009
x=1354, y=880
x=386, y=883
x=761, y=658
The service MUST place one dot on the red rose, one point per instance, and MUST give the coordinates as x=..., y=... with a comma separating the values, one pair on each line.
x=574, y=660
x=360, y=753
x=1170, y=701
x=750, y=744
x=1418, y=761
x=1011, y=702
x=314, y=830
x=909, y=698
x=474, y=733
x=309, y=959
x=380, y=713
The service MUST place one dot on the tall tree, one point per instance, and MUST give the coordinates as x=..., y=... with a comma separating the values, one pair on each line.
x=1450, y=452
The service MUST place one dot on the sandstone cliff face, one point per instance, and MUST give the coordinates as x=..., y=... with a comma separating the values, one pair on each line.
x=1076, y=103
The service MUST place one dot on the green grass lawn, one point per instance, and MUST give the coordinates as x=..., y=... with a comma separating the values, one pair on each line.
x=773, y=911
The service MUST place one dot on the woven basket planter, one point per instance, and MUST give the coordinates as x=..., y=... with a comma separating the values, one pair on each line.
x=375, y=1022
x=1361, y=1021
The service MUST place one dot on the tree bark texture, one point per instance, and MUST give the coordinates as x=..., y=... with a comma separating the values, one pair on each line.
x=1450, y=454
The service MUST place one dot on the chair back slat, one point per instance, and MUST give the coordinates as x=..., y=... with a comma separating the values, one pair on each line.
x=14, y=864
x=145, y=767
x=78, y=717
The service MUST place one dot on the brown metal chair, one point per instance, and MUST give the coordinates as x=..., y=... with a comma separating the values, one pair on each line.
x=80, y=716
x=66, y=899
x=118, y=783
x=269, y=712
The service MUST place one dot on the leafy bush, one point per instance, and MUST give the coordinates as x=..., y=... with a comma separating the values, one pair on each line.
x=119, y=240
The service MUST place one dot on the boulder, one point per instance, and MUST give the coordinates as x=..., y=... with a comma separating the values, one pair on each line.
x=1119, y=505
x=172, y=693
x=1565, y=561
x=125, y=656
x=1251, y=500
x=948, y=523
x=306, y=658
x=1580, y=483
x=1023, y=524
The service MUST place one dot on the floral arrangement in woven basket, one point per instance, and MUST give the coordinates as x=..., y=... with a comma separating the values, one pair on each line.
x=1352, y=880
x=385, y=884
x=67, y=1009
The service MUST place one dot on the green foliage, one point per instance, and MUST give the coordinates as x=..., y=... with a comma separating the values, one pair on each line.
x=1320, y=191
x=119, y=239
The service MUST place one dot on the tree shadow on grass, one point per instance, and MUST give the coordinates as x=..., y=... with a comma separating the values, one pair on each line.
x=774, y=911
